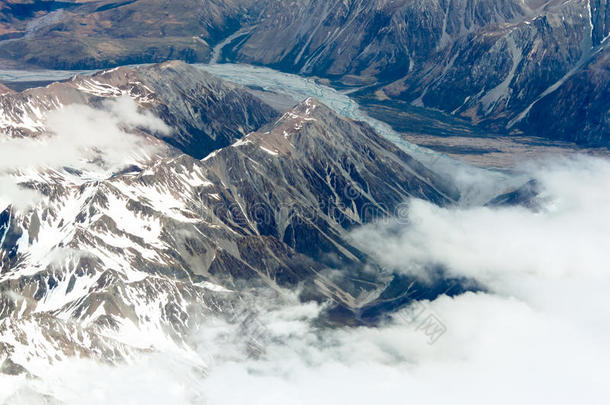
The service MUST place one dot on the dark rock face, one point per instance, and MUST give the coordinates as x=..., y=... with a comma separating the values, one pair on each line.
x=525, y=195
x=9, y=238
x=371, y=40
x=578, y=110
x=206, y=112
x=600, y=20
x=495, y=76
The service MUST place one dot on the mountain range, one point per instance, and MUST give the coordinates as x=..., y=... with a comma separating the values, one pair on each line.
x=511, y=67
x=148, y=246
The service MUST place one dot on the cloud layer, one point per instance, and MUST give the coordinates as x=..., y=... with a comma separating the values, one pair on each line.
x=504, y=247
x=537, y=335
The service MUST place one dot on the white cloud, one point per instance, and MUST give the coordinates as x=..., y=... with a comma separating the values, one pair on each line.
x=566, y=237
x=12, y=193
x=95, y=140
x=496, y=350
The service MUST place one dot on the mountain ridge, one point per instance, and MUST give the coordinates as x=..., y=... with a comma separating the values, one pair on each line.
x=127, y=261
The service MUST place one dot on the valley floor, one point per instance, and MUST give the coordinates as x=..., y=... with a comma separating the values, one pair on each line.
x=457, y=138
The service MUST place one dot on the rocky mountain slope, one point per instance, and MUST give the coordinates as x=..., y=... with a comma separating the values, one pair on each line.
x=108, y=33
x=204, y=112
x=490, y=62
x=578, y=110
x=127, y=260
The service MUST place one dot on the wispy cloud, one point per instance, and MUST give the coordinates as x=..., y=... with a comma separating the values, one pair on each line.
x=97, y=140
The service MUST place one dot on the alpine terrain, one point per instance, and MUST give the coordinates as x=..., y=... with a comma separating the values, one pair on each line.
x=304, y=202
